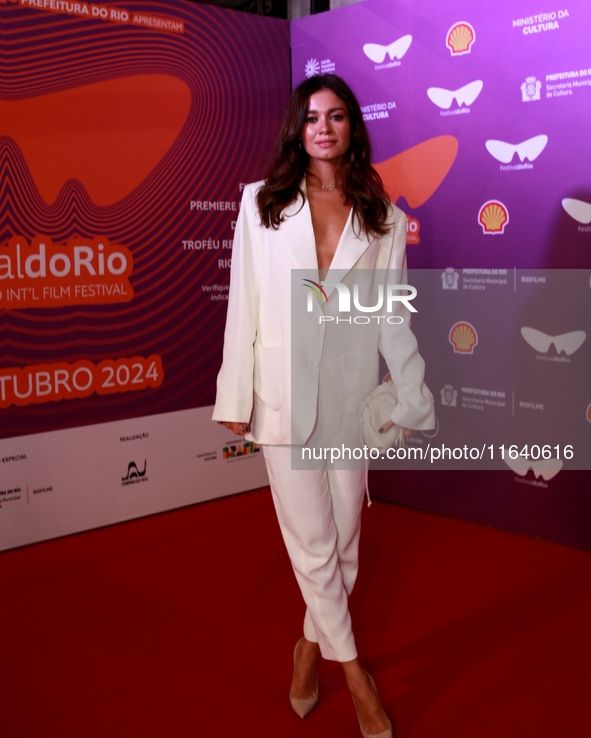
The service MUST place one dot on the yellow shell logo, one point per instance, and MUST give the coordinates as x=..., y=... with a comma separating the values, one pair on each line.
x=460, y=38
x=463, y=338
x=493, y=216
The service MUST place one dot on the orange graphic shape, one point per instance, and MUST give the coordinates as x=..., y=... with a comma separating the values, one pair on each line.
x=108, y=135
x=416, y=173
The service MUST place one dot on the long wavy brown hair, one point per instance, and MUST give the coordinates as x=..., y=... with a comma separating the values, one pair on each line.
x=362, y=185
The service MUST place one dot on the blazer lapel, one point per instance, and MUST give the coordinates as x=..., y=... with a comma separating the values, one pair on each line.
x=298, y=232
x=350, y=248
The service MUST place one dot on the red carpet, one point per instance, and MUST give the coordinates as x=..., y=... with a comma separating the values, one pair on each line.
x=184, y=624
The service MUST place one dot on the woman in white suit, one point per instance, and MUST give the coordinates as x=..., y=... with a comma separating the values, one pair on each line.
x=290, y=382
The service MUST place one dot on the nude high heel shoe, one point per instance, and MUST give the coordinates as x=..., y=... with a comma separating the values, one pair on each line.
x=385, y=733
x=302, y=707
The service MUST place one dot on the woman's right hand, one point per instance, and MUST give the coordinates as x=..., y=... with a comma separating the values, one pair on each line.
x=407, y=432
x=239, y=429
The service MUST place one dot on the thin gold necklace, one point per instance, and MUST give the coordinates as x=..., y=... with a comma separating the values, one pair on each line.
x=329, y=188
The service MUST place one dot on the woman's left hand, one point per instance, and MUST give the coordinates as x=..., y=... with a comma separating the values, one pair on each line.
x=407, y=432
x=239, y=429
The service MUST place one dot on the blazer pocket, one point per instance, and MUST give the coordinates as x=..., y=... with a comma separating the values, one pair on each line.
x=268, y=375
x=359, y=377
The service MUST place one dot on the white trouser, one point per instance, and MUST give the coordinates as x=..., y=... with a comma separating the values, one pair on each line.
x=319, y=512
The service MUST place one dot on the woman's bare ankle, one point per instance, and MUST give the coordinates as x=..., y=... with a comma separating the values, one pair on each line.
x=355, y=676
x=305, y=676
x=370, y=712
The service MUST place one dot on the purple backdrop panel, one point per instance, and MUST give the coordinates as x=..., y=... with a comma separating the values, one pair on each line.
x=478, y=114
x=511, y=87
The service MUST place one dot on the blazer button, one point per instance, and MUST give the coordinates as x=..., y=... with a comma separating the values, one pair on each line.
x=314, y=363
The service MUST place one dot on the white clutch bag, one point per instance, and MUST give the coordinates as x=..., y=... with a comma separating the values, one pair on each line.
x=375, y=411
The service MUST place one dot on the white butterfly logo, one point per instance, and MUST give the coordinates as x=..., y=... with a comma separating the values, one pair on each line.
x=545, y=468
x=567, y=342
x=396, y=50
x=529, y=149
x=578, y=209
x=464, y=96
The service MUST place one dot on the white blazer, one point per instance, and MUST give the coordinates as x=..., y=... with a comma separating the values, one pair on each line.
x=294, y=374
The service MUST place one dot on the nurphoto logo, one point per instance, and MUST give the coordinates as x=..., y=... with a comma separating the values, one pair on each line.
x=390, y=296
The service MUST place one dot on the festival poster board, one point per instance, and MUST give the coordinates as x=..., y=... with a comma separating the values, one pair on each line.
x=127, y=132
x=478, y=114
